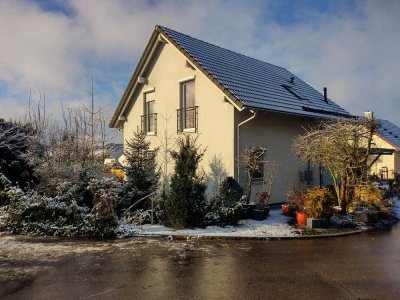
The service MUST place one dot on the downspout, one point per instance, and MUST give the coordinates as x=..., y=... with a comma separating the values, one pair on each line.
x=238, y=141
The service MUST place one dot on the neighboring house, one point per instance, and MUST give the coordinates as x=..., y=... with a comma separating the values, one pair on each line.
x=113, y=153
x=183, y=85
x=388, y=137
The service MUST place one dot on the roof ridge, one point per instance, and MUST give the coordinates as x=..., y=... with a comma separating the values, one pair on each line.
x=226, y=49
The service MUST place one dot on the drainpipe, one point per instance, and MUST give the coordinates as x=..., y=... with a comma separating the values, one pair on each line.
x=238, y=141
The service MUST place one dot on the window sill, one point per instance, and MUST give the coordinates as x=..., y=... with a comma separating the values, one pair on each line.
x=189, y=130
x=151, y=133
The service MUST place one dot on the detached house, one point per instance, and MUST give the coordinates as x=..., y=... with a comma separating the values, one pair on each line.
x=183, y=85
x=388, y=137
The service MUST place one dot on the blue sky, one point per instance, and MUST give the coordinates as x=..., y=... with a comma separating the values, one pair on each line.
x=352, y=47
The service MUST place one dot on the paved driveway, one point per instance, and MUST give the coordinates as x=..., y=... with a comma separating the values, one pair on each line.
x=363, y=266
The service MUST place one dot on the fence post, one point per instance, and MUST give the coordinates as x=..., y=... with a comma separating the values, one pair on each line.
x=152, y=206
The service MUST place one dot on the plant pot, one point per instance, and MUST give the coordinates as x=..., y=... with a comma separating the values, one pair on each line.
x=286, y=209
x=366, y=217
x=314, y=223
x=258, y=214
x=266, y=211
x=245, y=213
x=301, y=218
x=251, y=206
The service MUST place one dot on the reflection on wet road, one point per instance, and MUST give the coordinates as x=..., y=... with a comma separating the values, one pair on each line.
x=360, y=266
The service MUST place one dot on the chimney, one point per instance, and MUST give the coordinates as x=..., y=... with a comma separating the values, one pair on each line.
x=291, y=79
x=326, y=95
x=369, y=115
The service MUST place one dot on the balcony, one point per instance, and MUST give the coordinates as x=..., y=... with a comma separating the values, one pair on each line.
x=149, y=124
x=187, y=119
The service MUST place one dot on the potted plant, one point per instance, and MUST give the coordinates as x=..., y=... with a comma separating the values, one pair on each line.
x=262, y=209
x=318, y=206
x=301, y=217
x=263, y=202
x=247, y=208
x=296, y=196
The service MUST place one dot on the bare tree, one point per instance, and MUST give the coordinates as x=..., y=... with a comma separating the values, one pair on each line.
x=167, y=143
x=342, y=147
x=216, y=175
x=253, y=157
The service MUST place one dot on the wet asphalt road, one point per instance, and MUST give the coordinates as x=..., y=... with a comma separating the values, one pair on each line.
x=365, y=266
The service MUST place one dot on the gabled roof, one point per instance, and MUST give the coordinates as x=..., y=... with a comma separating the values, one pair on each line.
x=248, y=82
x=390, y=133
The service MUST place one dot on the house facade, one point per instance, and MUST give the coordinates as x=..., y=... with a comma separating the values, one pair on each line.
x=387, y=137
x=229, y=101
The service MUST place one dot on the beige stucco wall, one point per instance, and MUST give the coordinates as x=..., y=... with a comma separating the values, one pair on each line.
x=392, y=162
x=217, y=122
x=276, y=132
x=215, y=115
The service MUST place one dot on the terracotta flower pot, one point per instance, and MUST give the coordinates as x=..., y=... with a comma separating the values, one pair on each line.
x=286, y=209
x=301, y=218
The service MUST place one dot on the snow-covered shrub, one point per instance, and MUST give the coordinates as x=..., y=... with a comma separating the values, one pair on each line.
x=103, y=219
x=14, y=141
x=138, y=217
x=212, y=218
x=368, y=198
x=230, y=191
x=226, y=205
x=4, y=184
x=31, y=212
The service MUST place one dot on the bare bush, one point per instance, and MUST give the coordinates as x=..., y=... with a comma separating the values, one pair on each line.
x=342, y=147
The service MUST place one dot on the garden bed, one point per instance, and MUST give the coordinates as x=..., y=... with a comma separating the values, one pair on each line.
x=276, y=226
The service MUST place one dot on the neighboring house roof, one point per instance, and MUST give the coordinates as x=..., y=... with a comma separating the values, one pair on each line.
x=390, y=133
x=249, y=82
x=115, y=150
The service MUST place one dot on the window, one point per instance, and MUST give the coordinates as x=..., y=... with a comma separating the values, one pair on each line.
x=187, y=94
x=149, y=119
x=258, y=174
x=187, y=114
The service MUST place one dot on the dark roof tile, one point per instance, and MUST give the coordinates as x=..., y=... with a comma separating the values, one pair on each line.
x=257, y=84
x=390, y=132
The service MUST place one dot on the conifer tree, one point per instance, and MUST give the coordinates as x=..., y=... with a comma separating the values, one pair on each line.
x=142, y=174
x=185, y=204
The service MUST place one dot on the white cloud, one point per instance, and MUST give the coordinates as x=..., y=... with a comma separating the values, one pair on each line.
x=356, y=56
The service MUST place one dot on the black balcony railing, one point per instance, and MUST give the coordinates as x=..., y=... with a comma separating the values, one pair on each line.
x=187, y=119
x=149, y=123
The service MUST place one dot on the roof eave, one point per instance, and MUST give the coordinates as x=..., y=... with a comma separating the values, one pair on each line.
x=115, y=122
x=387, y=141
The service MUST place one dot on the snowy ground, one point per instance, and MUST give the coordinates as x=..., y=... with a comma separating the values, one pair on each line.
x=396, y=207
x=276, y=225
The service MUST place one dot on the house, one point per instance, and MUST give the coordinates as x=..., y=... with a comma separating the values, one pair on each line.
x=388, y=137
x=113, y=153
x=183, y=85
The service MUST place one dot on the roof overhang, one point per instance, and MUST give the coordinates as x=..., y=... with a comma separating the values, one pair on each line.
x=387, y=141
x=381, y=151
x=119, y=116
